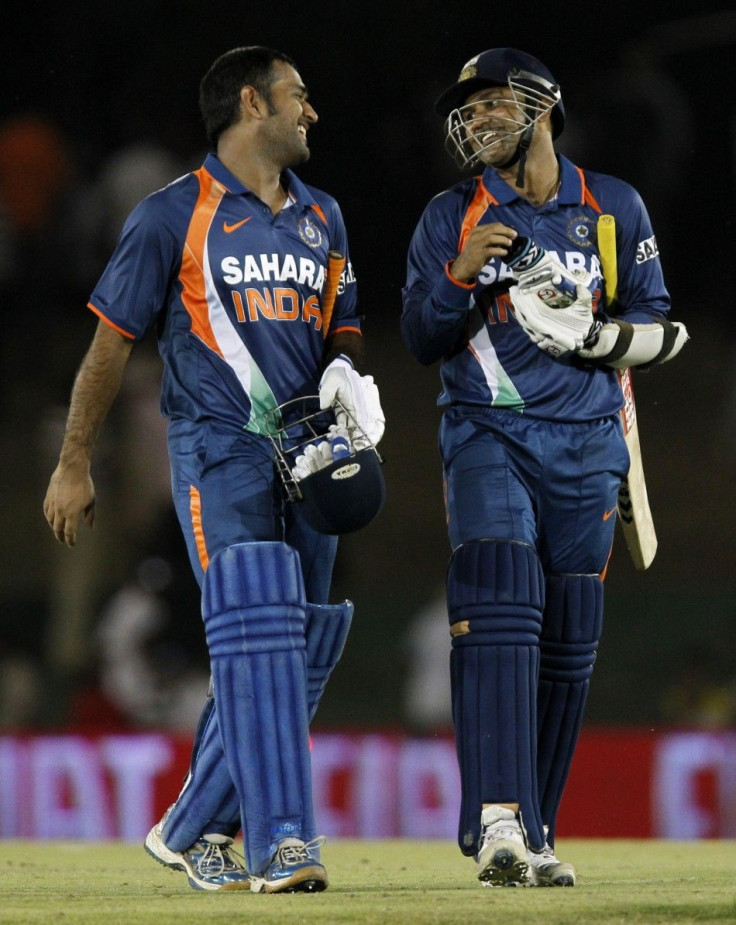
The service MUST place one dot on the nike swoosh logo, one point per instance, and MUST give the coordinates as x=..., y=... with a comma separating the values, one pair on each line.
x=228, y=229
x=610, y=513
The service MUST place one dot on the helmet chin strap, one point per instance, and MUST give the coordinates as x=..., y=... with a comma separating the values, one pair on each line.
x=519, y=156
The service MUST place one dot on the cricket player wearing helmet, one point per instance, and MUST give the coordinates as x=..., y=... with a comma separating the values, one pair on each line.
x=504, y=287
x=230, y=262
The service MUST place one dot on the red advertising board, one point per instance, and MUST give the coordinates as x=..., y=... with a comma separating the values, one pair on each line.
x=625, y=783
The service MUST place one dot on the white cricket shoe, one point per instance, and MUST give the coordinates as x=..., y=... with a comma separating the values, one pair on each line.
x=502, y=857
x=546, y=870
x=210, y=863
x=294, y=868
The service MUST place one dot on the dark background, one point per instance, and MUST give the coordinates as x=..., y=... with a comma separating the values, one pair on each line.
x=96, y=100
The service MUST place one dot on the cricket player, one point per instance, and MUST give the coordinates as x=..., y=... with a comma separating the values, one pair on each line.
x=504, y=287
x=229, y=263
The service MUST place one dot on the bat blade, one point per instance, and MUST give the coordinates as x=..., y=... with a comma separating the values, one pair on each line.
x=633, y=502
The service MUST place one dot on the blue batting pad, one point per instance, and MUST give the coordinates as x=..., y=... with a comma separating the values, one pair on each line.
x=498, y=588
x=209, y=802
x=254, y=613
x=326, y=630
x=573, y=619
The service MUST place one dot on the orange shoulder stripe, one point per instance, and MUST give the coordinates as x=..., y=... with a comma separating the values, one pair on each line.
x=475, y=211
x=194, y=293
x=587, y=198
x=318, y=210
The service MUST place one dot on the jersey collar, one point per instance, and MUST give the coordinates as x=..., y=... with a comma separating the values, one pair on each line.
x=570, y=192
x=296, y=189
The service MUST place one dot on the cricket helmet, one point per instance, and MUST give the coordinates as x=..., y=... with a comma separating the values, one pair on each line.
x=345, y=493
x=531, y=83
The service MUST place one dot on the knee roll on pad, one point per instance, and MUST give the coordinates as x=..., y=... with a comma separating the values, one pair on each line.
x=254, y=611
x=495, y=594
x=262, y=581
x=573, y=620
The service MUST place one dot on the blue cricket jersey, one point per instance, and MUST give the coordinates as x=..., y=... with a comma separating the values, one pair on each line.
x=487, y=359
x=235, y=292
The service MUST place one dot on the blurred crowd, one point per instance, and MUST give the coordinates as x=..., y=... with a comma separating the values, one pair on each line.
x=109, y=634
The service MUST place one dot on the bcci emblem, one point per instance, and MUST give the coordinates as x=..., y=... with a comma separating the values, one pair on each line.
x=469, y=70
x=309, y=233
x=579, y=230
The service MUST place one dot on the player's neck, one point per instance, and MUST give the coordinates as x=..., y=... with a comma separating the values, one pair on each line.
x=541, y=179
x=261, y=178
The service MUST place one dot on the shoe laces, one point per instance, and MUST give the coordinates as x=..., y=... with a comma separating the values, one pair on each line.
x=502, y=829
x=296, y=852
x=218, y=859
x=544, y=857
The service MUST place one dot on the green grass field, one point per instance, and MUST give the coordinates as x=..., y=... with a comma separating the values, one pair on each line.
x=374, y=882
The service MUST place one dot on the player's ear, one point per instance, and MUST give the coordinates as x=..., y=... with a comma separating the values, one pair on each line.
x=252, y=104
x=546, y=121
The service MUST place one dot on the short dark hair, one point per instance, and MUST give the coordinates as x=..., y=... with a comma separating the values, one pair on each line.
x=219, y=91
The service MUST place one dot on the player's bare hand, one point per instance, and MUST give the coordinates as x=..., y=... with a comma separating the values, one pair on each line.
x=483, y=243
x=69, y=497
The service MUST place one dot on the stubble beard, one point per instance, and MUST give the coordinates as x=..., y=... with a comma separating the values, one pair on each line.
x=288, y=152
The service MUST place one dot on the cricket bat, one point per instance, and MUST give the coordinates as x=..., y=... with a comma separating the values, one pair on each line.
x=335, y=267
x=633, y=502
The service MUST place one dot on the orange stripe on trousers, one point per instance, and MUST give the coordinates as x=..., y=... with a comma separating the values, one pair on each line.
x=195, y=512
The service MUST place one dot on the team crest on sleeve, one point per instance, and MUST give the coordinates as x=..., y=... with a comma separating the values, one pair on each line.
x=580, y=231
x=309, y=232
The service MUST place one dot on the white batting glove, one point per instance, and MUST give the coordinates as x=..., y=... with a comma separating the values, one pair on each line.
x=536, y=270
x=340, y=382
x=314, y=458
x=557, y=331
x=358, y=395
x=371, y=422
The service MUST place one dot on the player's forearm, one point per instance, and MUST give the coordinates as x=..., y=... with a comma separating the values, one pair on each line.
x=347, y=343
x=95, y=387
